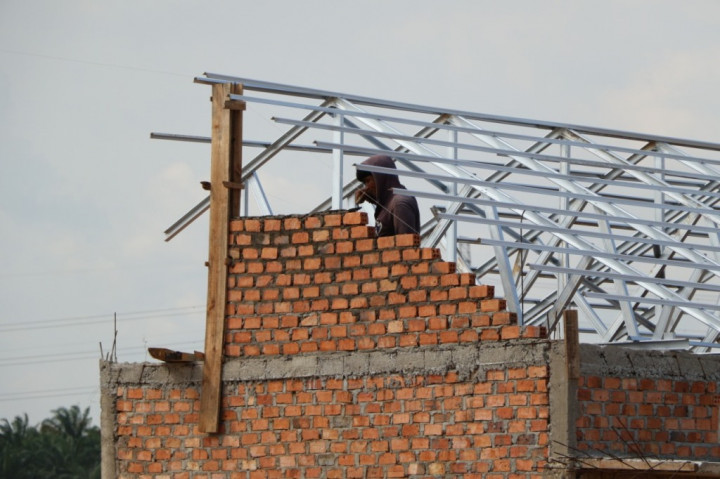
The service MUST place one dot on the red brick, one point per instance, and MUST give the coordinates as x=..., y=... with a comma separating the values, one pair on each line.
x=510, y=332
x=271, y=224
x=410, y=239
x=448, y=308
x=312, y=222
x=420, y=268
x=537, y=371
x=593, y=381
x=292, y=223
x=489, y=335
x=481, y=291
x=443, y=267
x=320, y=235
x=362, y=232
x=467, y=278
x=437, y=322
x=253, y=225
x=465, y=307
x=457, y=293
x=135, y=393
x=492, y=305
x=533, y=332
x=366, y=245
x=447, y=337
x=237, y=225
x=370, y=259
x=410, y=254
x=300, y=237
x=428, y=281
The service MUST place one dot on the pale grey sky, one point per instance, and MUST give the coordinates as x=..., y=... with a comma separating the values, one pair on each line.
x=86, y=195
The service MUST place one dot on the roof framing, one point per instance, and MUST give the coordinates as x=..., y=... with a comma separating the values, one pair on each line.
x=621, y=226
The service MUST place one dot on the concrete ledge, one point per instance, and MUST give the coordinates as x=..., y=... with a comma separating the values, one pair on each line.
x=618, y=361
x=466, y=359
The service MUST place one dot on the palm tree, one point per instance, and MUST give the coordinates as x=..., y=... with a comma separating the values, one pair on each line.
x=68, y=422
x=65, y=446
x=17, y=451
x=76, y=444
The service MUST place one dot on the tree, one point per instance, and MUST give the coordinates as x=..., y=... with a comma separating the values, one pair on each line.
x=16, y=446
x=65, y=446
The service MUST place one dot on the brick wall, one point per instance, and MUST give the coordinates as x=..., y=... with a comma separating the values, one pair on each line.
x=378, y=425
x=648, y=404
x=325, y=283
x=348, y=355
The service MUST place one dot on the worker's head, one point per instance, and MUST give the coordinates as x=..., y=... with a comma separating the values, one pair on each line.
x=378, y=185
x=368, y=180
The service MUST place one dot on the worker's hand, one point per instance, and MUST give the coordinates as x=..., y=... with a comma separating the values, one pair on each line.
x=360, y=196
x=366, y=191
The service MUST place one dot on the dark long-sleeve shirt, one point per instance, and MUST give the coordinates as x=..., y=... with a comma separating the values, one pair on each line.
x=394, y=214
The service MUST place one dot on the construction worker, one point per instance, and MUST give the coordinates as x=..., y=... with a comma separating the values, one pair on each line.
x=394, y=214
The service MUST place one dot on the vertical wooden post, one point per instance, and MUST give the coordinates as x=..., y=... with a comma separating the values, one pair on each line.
x=225, y=159
x=572, y=358
x=563, y=389
x=236, y=115
x=572, y=343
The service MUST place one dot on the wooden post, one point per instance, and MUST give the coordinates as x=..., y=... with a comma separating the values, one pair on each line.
x=236, y=127
x=225, y=158
x=572, y=358
x=563, y=387
x=572, y=343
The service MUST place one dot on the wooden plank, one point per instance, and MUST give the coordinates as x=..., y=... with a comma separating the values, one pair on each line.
x=572, y=343
x=172, y=356
x=220, y=167
x=236, y=129
x=231, y=185
x=235, y=104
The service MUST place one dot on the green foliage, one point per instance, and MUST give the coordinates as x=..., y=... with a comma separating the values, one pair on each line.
x=65, y=446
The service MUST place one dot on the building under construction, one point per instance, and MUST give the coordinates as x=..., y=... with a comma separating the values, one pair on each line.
x=556, y=317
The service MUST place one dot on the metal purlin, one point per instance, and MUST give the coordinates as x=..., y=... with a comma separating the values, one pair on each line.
x=599, y=188
x=628, y=314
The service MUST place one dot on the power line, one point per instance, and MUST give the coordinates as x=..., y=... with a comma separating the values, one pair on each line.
x=78, y=271
x=88, y=62
x=97, y=319
x=75, y=391
x=48, y=393
x=83, y=323
x=78, y=355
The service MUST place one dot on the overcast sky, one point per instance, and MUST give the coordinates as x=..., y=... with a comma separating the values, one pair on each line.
x=86, y=194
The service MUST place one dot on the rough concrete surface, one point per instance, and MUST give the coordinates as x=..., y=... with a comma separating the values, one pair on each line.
x=466, y=359
x=620, y=361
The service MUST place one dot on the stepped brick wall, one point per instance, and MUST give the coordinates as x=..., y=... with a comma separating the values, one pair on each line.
x=325, y=283
x=348, y=355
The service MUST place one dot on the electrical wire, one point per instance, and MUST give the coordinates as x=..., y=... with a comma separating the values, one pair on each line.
x=75, y=391
x=80, y=355
x=48, y=393
x=98, y=64
x=97, y=319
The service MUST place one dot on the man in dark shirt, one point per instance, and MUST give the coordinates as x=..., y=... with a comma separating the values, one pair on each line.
x=394, y=214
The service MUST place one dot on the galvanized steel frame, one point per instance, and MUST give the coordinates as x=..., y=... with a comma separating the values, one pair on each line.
x=619, y=225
